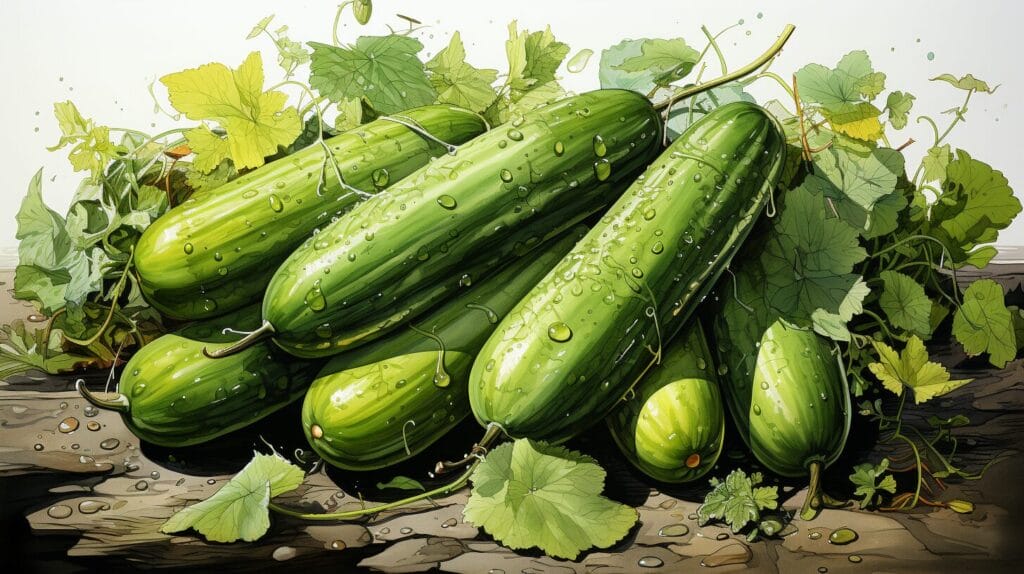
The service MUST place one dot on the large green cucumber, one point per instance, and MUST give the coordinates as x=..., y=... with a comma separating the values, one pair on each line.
x=585, y=334
x=401, y=252
x=392, y=398
x=172, y=395
x=217, y=251
x=785, y=387
x=673, y=425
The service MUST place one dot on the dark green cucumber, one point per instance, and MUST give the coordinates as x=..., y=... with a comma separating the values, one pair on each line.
x=785, y=387
x=401, y=252
x=673, y=424
x=217, y=251
x=172, y=395
x=390, y=399
x=585, y=334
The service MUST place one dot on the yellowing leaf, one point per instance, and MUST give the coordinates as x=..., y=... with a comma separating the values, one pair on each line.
x=92, y=149
x=913, y=370
x=256, y=122
x=528, y=494
x=859, y=121
x=239, y=510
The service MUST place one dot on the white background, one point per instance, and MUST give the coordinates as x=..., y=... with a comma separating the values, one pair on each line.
x=103, y=54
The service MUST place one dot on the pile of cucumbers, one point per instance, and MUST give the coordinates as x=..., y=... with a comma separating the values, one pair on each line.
x=543, y=275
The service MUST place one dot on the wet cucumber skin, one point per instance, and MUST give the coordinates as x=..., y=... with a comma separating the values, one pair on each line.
x=401, y=252
x=786, y=390
x=597, y=322
x=368, y=405
x=179, y=397
x=217, y=251
x=672, y=426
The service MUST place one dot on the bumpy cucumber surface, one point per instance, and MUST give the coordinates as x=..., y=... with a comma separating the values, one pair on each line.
x=673, y=425
x=172, y=395
x=217, y=251
x=401, y=252
x=785, y=387
x=584, y=335
x=389, y=400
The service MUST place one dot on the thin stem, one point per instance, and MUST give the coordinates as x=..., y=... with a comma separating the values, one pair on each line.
x=461, y=481
x=773, y=76
x=813, y=502
x=718, y=51
x=337, y=21
x=113, y=305
x=959, y=117
x=740, y=73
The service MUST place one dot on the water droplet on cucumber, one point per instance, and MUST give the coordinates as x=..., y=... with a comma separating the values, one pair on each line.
x=447, y=202
x=602, y=169
x=275, y=203
x=559, y=332
x=381, y=177
x=189, y=249
x=559, y=148
x=515, y=135
x=505, y=175
x=600, y=149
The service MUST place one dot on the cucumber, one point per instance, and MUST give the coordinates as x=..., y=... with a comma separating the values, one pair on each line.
x=785, y=386
x=580, y=340
x=170, y=394
x=401, y=252
x=673, y=425
x=393, y=398
x=217, y=251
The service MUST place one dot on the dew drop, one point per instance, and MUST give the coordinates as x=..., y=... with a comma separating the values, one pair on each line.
x=447, y=202
x=673, y=530
x=381, y=177
x=650, y=562
x=559, y=148
x=68, y=425
x=756, y=409
x=59, y=511
x=515, y=135
x=505, y=175
x=275, y=203
x=842, y=536
x=600, y=149
x=110, y=444
x=657, y=248
x=602, y=169
x=189, y=249
x=559, y=332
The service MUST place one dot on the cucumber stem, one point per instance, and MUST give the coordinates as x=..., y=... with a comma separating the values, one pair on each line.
x=119, y=403
x=725, y=79
x=813, y=502
x=479, y=449
x=353, y=514
x=265, y=330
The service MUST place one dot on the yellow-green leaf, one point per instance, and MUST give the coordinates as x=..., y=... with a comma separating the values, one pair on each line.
x=912, y=369
x=256, y=122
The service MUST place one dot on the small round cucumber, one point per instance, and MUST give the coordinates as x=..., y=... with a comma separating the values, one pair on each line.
x=673, y=424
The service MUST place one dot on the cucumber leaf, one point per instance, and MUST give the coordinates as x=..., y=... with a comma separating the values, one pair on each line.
x=912, y=369
x=905, y=303
x=401, y=483
x=983, y=324
x=385, y=70
x=529, y=494
x=738, y=500
x=256, y=122
x=239, y=510
x=898, y=104
x=459, y=83
x=865, y=477
x=808, y=257
x=532, y=57
x=967, y=82
x=91, y=147
x=612, y=76
x=669, y=60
